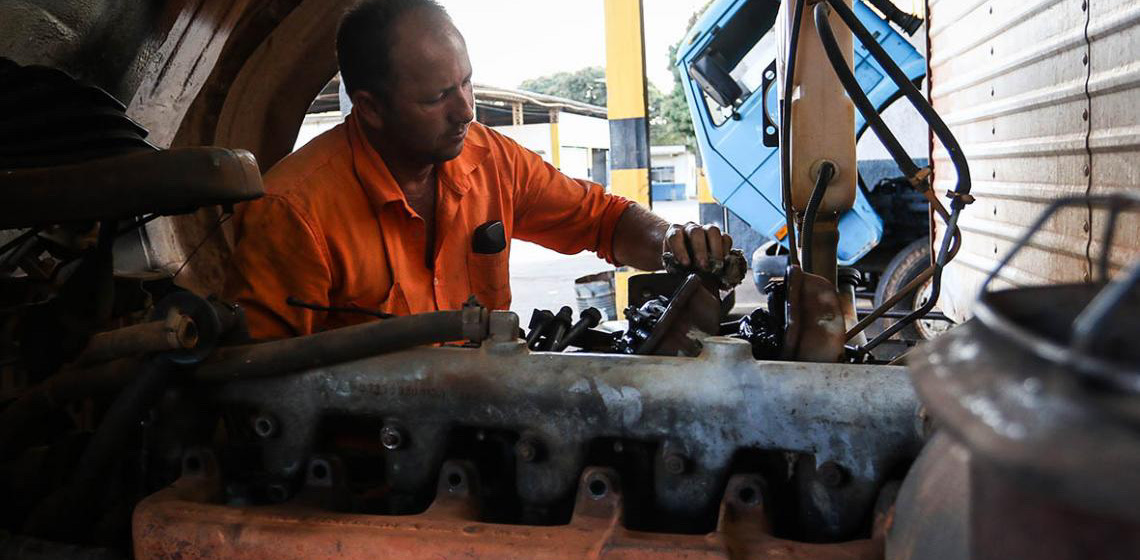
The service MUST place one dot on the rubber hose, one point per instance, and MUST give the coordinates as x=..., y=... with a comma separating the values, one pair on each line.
x=826, y=174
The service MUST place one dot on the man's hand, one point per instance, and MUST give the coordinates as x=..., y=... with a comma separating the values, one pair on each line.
x=701, y=247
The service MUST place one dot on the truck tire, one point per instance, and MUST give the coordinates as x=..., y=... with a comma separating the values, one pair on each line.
x=906, y=265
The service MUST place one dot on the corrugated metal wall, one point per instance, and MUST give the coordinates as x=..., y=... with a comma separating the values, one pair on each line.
x=1045, y=98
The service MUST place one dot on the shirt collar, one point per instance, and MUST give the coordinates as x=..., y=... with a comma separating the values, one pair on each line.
x=379, y=185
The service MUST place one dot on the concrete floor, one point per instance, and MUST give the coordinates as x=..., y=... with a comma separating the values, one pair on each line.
x=544, y=279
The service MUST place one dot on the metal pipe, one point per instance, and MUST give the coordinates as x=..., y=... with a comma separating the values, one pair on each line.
x=346, y=344
x=176, y=332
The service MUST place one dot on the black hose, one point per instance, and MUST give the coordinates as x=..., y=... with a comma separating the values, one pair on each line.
x=855, y=92
x=960, y=194
x=45, y=399
x=935, y=291
x=786, y=133
x=826, y=173
x=342, y=345
x=937, y=125
x=906, y=21
x=73, y=505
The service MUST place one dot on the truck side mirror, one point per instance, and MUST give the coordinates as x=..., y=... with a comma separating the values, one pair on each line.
x=714, y=80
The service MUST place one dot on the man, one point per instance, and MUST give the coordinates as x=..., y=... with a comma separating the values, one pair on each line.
x=409, y=206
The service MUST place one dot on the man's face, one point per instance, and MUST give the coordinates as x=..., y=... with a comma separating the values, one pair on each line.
x=429, y=104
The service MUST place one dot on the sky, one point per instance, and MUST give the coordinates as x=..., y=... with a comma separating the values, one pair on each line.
x=512, y=40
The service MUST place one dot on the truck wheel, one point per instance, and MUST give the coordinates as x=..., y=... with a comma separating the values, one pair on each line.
x=904, y=267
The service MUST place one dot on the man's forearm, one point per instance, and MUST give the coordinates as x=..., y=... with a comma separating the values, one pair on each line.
x=639, y=238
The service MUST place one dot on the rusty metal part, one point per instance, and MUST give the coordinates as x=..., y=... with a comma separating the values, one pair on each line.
x=814, y=319
x=166, y=182
x=713, y=406
x=906, y=291
x=176, y=332
x=673, y=312
x=848, y=281
x=184, y=521
x=346, y=344
x=931, y=518
x=65, y=387
x=1055, y=455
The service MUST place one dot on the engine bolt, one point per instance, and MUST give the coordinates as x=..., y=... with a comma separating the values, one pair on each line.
x=391, y=438
x=675, y=463
x=529, y=449
x=265, y=426
x=831, y=475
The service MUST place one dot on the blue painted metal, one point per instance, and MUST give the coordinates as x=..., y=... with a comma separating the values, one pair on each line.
x=743, y=173
x=668, y=191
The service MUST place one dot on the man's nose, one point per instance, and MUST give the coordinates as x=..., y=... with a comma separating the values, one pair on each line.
x=464, y=109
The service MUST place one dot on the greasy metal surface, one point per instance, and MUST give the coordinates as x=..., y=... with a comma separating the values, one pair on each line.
x=859, y=417
x=931, y=516
x=182, y=522
x=1010, y=79
x=816, y=329
x=1016, y=406
x=163, y=182
x=1054, y=455
x=104, y=42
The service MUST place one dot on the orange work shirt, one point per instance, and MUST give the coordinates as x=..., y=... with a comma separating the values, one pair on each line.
x=334, y=229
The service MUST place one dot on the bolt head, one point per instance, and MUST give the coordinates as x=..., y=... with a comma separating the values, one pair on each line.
x=831, y=474
x=264, y=426
x=528, y=449
x=675, y=463
x=391, y=438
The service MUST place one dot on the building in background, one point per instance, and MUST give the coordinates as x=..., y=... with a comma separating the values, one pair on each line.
x=572, y=136
x=672, y=173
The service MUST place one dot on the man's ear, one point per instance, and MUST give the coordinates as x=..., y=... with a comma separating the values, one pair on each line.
x=367, y=105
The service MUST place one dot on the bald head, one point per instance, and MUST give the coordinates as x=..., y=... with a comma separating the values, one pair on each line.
x=375, y=36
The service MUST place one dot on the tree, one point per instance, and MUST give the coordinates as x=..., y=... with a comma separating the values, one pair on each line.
x=673, y=122
x=669, y=119
x=587, y=85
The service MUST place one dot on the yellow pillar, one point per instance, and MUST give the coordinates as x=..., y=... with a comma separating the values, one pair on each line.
x=555, y=142
x=627, y=108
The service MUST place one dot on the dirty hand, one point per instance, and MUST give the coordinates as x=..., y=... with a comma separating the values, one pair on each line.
x=696, y=246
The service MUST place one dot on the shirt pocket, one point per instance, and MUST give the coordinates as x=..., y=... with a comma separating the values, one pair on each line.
x=490, y=280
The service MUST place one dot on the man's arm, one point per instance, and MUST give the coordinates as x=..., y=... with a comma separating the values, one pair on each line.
x=641, y=237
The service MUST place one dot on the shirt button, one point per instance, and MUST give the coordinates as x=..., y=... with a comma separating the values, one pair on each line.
x=435, y=281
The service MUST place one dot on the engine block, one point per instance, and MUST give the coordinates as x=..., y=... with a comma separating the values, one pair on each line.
x=823, y=438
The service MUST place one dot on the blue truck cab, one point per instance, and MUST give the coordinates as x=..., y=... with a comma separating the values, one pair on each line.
x=728, y=73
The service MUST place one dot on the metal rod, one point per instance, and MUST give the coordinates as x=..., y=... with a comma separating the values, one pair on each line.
x=1089, y=326
x=786, y=133
x=1106, y=249
x=176, y=332
x=280, y=357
